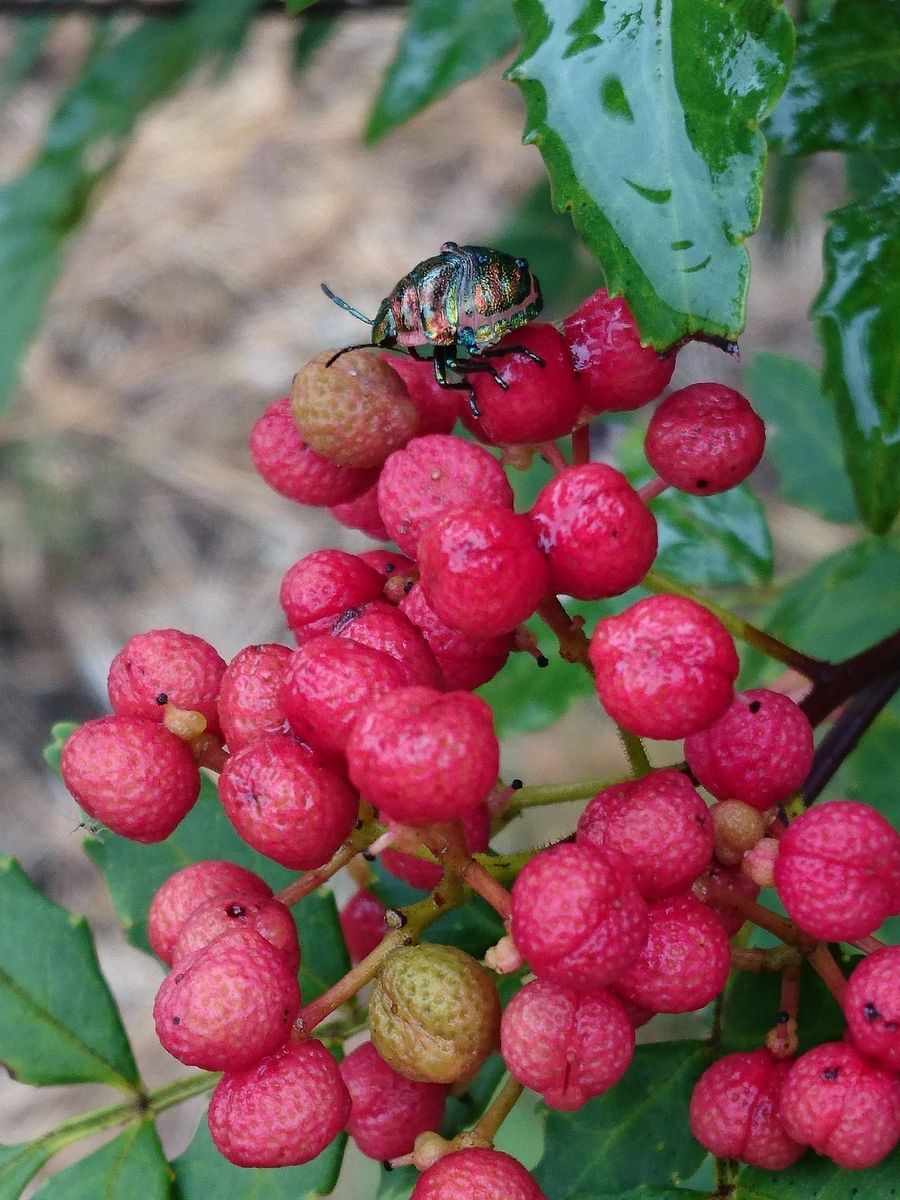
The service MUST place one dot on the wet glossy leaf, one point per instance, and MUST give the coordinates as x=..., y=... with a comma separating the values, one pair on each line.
x=19, y=1164
x=802, y=437
x=858, y=310
x=646, y=116
x=442, y=45
x=132, y=1165
x=815, y=1178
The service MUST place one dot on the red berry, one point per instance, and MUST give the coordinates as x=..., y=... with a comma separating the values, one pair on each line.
x=362, y=923
x=362, y=513
x=425, y=875
x=577, y=916
x=476, y=1174
x=132, y=775
x=615, y=371
x=735, y=1114
x=422, y=756
x=664, y=668
x=661, y=826
x=872, y=1006
x=388, y=564
x=187, y=890
x=842, y=1105
x=250, y=695
x=566, y=1045
x=293, y=469
x=380, y=625
x=597, y=533
x=704, y=439
x=431, y=476
x=730, y=918
x=229, y=1004
x=322, y=585
x=239, y=910
x=482, y=570
x=838, y=870
x=282, y=1111
x=285, y=803
x=437, y=405
x=759, y=751
x=389, y=1111
x=166, y=662
x=466, y=661
x=541, y=403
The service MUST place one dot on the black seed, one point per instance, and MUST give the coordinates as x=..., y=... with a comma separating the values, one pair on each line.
x=542, y=661
x=408, y=586
x=235, y=910
x=702, y=483
x=755, y=706
x=176, y=1020
x=162, y=698
x=870, y=1012
x=516, y=784
x=783, y=1017
x=388, y=567
x=178, y=978
x=831, y=1073
x=368, y=856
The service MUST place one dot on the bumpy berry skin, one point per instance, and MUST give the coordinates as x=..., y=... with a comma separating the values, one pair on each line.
x=731, y=877
x=293, y=469
x=425, y=875
x=759, y=751
x=738, y=828
x=239, y=910
x=476, y=1174
x=434, y=1013
x=132, y=775
x=317, y=589
x=355, y=412
x=280, y=1112
x=542, y=403
x=166, y=662
x=664, y=668
x=362, y=513
x=661, y=826
x=565, y=1045
x=838, y=870
x=380, y=625
x=362, y=923
x=734, y=1111
x=482, y=570
x=842, y=1105
x=597, y=533
x=422, y=756
x=187, y=890
x=704, y=439
x=577, y=916
x=437, y=406
x=465, y=661
x=250, y=694
x=685, y=961
x=431, y=476
x=389, y=1111
x=616, y=373
x=284, y=803
x=872, y=1006
x=228, y=1005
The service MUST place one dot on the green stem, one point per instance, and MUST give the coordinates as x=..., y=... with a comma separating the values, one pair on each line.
x=554, y=793
x=635, y=752
x=485, y=1130
x=174, y=1093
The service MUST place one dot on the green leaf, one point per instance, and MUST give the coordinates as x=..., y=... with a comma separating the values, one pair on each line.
x=132, y=1165
x=646, y=115
x=802, y=437
x=201, y=1172
x=815, y=1178
x=324, y=959
x=842, y=93
x=59, y=735
x=309, y=40
x=397, y=1185
x=58, y=1021
x=751, y=1003
x=298, y=6
x=858, y=310
x=442, y=45
x=636, y=1134
x=19, y=1164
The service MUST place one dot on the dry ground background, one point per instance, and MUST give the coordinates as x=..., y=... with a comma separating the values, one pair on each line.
x=189, y=298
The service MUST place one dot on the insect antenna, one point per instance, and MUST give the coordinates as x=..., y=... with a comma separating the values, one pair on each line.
x=354, y=312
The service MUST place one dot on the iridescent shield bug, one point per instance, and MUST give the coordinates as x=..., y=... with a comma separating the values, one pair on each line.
x=465, y=298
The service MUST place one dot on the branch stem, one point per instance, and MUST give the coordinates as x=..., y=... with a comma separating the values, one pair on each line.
x=485, y=1129
x=573, y=642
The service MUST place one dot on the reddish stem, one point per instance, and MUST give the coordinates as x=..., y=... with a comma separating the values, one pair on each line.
x=581, y=445
x=822, y=961
x=573, y=642
x=651, y=490
x=552, y=454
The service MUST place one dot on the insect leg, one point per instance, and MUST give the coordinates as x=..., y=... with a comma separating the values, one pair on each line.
x=444, y=358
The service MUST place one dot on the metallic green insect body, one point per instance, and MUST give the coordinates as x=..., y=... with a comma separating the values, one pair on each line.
x=466, y=297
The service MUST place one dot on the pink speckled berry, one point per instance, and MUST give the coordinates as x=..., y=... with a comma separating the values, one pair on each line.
x=422, y=756
x=322, y=585
x=362, y=513
x=568, y=1046
x=166, y=663
x=665, y=667
x=577, y=915
x=437, y=405
x=282, y=1111
x=284, y=803
x=685, y=961
x=388, y=564
x=229, y=1004
x=131, y=775
x=482, y=570
x=380, y=625
x=476, y=1174
x=661, y=826
x=541, y=403
x=843, y=1105
x=293, y=469
x=250, y=695
x=704, y=439
x=734, y=1111
x=616, y=373
x=759, y=751
x=327, y=683
x=389, y=1111
x=431, y=476
x=466, y=661
x=425, y=875
x=872, y=1006
x=355, y=412
x=239, y=910
x=362, y=923
x=187, y=890
x=598, y=534
x=730, y=877
x=838, y=870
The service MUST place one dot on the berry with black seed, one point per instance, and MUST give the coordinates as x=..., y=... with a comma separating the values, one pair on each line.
x=872, y=1006
x=166, y=662
x=186, y=891
x=250, y=695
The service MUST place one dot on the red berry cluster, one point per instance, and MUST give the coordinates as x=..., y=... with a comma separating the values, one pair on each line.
x=374, y=712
